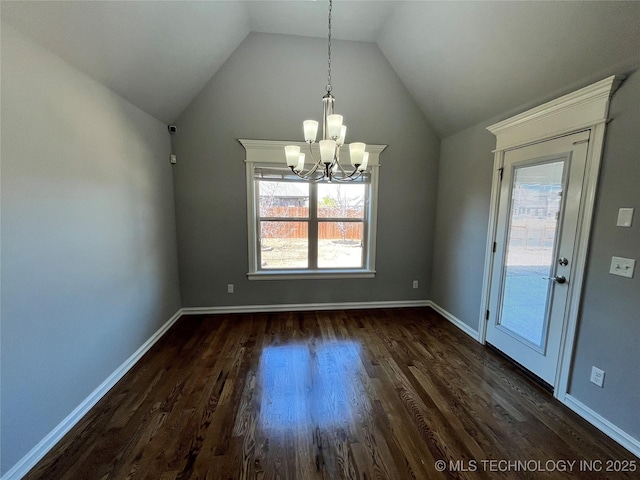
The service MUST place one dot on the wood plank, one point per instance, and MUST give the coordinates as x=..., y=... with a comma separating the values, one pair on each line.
x=356, y=394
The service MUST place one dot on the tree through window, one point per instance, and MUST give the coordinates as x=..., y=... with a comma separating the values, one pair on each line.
x=305, y=229
x=307, y=225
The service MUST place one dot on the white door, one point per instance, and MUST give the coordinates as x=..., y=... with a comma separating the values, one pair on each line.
x=535, y=242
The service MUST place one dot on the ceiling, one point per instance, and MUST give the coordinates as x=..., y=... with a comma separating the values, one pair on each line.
x=462, y=62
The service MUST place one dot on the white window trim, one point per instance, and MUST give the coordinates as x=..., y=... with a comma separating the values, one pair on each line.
x=272, y=152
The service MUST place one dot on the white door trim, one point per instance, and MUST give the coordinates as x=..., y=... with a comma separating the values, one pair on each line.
x=584, y=109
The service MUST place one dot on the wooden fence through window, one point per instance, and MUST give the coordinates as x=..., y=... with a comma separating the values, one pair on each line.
x=327, y=230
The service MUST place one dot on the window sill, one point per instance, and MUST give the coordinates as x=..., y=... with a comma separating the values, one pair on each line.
x=308, y=274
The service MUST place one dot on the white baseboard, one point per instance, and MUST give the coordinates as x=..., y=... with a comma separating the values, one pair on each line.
x=601, y=423
x=301, y=307
x=604, y=425
x=40, y=450
x=456, y=321
x=27, y=462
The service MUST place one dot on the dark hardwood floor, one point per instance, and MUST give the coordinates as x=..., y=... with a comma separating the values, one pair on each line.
x=329, y=394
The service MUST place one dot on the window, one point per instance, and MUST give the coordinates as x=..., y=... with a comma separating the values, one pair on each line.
x=301, y=229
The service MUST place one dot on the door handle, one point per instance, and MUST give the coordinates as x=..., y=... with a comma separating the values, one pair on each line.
x=557, y=279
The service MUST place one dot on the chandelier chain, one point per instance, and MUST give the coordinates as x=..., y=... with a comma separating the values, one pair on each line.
x=327, y=166
x=329, y=88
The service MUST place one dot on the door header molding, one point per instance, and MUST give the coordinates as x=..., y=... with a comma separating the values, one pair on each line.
x=584, y=109
x=575, y=111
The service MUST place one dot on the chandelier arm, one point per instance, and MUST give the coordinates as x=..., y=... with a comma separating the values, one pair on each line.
x=342, y=169
x=348, y=178
x=312, y=171
x=348, y=175
x=326, y=174
x=316, y=162
x=345, y=177
x=308, y=176
x=352, y=176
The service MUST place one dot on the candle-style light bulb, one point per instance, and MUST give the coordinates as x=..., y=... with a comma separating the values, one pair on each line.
x=356, y=152
x=310, y=130
x=334, y=125
x=365, y=162
x=292, y=152
x=327, y=151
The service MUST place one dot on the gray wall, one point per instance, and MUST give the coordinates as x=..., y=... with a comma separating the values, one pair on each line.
x=89, y=256
x=264, y=91
x=89, y=268
x=609, y=323
x=609, y=326
x=464, y=188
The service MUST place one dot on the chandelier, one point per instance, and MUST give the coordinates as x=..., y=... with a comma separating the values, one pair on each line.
x=327, y=167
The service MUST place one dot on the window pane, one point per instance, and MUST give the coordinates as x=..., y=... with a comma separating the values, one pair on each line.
x=284, y=244
x=340, y=244
x=535, y=208
x=283, y=199
x=305, y=227
x=342, y=200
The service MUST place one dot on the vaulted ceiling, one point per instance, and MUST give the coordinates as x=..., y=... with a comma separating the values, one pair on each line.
x=461, y=61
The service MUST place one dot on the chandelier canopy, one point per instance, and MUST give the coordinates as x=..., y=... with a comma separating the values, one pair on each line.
x=327, y=167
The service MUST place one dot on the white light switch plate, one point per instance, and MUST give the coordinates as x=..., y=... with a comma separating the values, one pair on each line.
x=625, y=217
x=622, y=266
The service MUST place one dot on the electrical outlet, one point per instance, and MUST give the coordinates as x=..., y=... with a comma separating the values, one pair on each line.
x=415, y=284
x=230, y=288
x=597, y=376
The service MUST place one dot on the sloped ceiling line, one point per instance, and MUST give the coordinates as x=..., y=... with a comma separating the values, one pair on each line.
x=462, y=62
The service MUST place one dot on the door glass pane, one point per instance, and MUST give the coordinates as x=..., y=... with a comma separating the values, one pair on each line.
x=284, y=244
x=535, y=206
x=340, y=244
